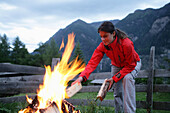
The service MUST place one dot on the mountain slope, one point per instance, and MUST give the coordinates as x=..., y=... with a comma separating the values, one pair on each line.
x=86, y=35
x=148, y=28
x=97, y=24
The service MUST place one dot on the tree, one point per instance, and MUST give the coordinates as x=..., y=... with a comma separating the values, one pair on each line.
x=51, y=51
x=4, y=49
x=37, y=56
x=78, y=53
x=19, y=52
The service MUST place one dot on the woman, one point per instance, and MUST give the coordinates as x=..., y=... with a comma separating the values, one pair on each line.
x=125, y=64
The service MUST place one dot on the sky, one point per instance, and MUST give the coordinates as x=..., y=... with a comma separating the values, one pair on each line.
x=35, y=21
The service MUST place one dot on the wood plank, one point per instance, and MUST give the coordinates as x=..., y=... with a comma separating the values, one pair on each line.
x=22, y=69
x=101, y=75
x=142, y=74
x=15, y=99
x=11, y=88
x=97, y=81
x=72, y=90
x=28, y=78
x=162, y=73
x=161, y=106
x=161, y=88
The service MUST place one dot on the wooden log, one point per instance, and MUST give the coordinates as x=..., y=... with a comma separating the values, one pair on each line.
x=55, y=61
x=22, y=69
x=101, y=75
x=33, y=78
x=161, y=88
x=141, y=74
x=15, y=99
x=73, y=89
x=12, y=88
x=149, y=98
x=90, y=89
x=50, y=109
x=161, y=106
x=139, y=88
x=103, y=90
x=139, y=104
x=162, y=73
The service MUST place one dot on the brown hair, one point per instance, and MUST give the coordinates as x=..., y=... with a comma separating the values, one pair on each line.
x=107, y=26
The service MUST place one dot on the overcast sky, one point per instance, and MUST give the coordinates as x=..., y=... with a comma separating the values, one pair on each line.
x=35, y=21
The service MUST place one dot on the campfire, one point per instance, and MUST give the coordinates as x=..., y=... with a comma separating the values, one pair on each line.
x=52, y=93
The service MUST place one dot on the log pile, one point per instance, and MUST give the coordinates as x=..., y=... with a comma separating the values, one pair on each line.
x=52, y=108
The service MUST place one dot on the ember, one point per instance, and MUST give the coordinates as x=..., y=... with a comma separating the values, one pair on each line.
x=52, y=92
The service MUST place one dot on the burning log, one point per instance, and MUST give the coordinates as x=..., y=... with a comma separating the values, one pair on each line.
x=52, y=108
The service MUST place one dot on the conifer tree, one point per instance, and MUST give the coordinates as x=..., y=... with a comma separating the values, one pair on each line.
x=4, y=49
x=19, y=52
x=78, y=53
x=51, y=51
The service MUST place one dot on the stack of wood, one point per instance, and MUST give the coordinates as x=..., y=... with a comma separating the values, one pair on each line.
x=52, y=108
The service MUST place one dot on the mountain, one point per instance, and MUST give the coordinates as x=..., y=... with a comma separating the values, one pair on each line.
x=97, y=24
x=150, y=27
x=86, y=35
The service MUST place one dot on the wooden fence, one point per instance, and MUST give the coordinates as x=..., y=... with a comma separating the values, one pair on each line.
x=16, y=79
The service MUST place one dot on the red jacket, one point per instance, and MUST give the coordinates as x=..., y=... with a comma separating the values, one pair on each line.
x=122, y=55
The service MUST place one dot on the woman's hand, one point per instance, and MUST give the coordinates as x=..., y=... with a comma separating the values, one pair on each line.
x=111, y=81
x=79, y=80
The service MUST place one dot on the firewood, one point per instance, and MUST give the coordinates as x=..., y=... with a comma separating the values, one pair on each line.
x=73, y=89
x=103, y=90
x=52, y=108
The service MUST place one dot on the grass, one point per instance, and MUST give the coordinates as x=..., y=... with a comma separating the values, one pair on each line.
x=140, y=96
x=92, y=107
x=100, y=109
x=12, y=107
x=24, y=94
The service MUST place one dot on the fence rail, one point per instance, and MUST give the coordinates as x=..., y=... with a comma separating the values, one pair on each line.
x=15, y=79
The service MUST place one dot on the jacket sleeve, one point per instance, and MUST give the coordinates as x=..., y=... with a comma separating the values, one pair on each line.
x=130, y=61
x=93, y=63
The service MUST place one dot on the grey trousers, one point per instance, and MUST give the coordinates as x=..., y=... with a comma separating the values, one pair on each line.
x=124, y=91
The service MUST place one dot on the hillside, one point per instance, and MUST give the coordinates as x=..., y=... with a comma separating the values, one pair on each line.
x=97, y=24
x=85, y=34
x=148, y=28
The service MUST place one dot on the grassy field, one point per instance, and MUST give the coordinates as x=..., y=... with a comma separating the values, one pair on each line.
x=92, y=108
x=140, y=96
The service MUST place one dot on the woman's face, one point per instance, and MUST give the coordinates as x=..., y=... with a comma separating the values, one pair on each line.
x=106, y=37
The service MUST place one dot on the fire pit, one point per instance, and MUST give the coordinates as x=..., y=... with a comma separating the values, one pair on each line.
x=52, y=108
x=52, y=93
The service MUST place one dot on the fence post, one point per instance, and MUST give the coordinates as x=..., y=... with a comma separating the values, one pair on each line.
x=54, y=62
x=149, y=98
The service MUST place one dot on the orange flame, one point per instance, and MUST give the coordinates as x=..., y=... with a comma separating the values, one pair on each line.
x=29, y=100
x=55, y=83
x=62, y=44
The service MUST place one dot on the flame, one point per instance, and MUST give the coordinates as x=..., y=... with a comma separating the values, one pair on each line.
x=62, y=44
x=55, y=82
x=29, y=100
